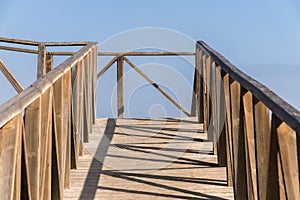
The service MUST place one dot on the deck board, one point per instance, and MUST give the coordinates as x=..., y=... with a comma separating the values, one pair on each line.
x=148, y=159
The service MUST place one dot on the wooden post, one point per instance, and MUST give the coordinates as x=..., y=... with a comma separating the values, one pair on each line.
x=120, y=86
x=41, y=68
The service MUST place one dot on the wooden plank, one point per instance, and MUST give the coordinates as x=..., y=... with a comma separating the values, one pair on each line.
x=10, y=137
x=46, y=145
x=59, y=114
x=214, y=108
x=75, y=118
x=287, y=140
x=146, y=53
x=156, y=86
x=49, y=63
x=265, y=152
x=240, y=188
x=221, y=118
x=209, y=124
x=17, y=41
x=205, y=108
x=33, y=145
x=200, y=90
x=120, y=86
x=67, y=125
x=18, y=174
x=21, y=50
x=250, y=146
x=228, y=127
x=56, y=176
x=10, y=77
x=41, y=63
x=136, y=175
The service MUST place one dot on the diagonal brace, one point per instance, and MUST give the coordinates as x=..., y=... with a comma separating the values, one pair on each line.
x=156, y=86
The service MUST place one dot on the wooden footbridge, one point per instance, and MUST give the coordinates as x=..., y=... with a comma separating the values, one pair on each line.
x=240, y=140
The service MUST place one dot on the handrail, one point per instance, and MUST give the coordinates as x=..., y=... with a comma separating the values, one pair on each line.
x=276, y=104
x=255, y=132
x=43, y=128
x=16, y=104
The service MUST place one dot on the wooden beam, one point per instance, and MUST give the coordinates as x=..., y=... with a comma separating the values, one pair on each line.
x=41, y=67
x=156, y=86
x=21, y=50
x=17, y=41
x=146, y=53
x=10, y=77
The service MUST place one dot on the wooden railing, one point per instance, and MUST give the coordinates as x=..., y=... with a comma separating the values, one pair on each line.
x=255, y=133
x=43, y=128
x=119, y=58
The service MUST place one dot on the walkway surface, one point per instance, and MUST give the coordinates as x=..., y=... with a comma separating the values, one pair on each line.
x=148, y=159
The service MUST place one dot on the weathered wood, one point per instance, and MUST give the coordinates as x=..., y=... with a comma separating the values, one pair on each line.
x=49, y=63
x=18, y=165
x=10, y=77
x=264, y=151
x=67, y=126
x=46, y=145
x=60, y=128
x=21, y=50
x=287, y=141
x=33, y=145
x=209, y=124
x=41, y=63
x=250, y=146
x=120, y=86
x=228, y=128
x=144, y=167
x=200, y=88
x=277, y=105
x=240, y=188
x=10, y=156
x=66, y=43
x=221, y=118
x=17, y=41
x=18, y=103
x=156, y=86
x=146, y=53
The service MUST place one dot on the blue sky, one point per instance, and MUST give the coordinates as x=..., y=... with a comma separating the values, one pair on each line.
x=261, y=37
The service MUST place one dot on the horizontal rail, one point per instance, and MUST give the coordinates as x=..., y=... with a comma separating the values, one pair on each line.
x=18, y=103
x=68, y=53
x=17, y=41
x=65, y=44
x=22, y=50
x=276, y=104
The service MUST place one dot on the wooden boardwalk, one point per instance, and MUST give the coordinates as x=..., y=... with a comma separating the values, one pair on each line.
x=148, y=159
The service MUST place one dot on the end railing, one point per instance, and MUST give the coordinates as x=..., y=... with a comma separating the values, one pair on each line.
x=255, y=132
x=42, y=129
